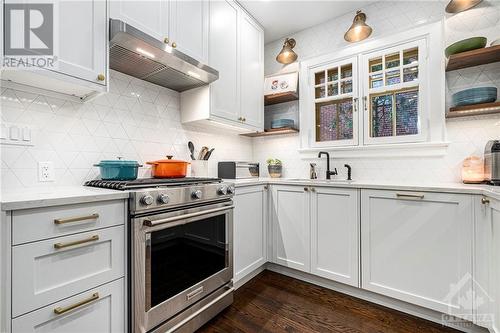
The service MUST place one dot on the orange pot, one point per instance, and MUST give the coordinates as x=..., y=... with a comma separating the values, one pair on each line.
x=169, y=168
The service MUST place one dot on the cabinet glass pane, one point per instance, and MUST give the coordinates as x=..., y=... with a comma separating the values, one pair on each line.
x=320, y=92
x=334, y=120
x=410, y=56
x=346, y=71
x=381, y=115
x=407, y=112
x=410, y=74
x=346, y=87
x=392, y=60
x=333, y=74
x=319, y=78
x=375, y=64
x=333, y=89
x=392, y=77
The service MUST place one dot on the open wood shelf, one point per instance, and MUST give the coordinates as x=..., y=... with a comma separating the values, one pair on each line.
x=273, y=131
x=474, y=110
x=472, y=58
x=281, y=98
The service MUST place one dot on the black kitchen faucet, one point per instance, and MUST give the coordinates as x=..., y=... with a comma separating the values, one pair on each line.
x=328, y=172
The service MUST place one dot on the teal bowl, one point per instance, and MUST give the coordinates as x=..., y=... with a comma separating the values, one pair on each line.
x=465, y=45
x=474, y=96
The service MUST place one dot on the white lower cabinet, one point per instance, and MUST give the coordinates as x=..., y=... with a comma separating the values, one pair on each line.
x=99, y=310
x=487, y=263
x=250, y=230
x=417, y=247
x=290, y=218
x=335, y=234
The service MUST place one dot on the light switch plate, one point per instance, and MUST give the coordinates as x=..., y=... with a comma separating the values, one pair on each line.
x=16, y=134
x=45, y=171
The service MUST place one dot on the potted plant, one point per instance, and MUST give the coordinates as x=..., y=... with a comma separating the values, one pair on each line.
x=275, y=167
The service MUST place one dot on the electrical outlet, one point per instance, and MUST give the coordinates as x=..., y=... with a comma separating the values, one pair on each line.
x=45, y=172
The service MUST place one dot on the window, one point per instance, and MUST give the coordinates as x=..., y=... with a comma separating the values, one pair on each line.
x=335, y=103
x=393, y=94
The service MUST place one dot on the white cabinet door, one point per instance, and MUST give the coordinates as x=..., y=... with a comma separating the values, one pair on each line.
x=487, y=263
x=102, y=311
x=417, y=247
x=335, y=234
x=291, y=223
x=46, y=271
x=223, y=55
x=82, y=33
x=250, y=223
x=150, y=17
x=252, y=72
x=189, y=27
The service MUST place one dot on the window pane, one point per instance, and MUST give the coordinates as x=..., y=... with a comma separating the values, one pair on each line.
x=346, y=87
x=319, y=77
x=392, y=77
x=346, y=71
x=410, y=74
x=410, y=56
x=334, y=120
x=333, y=74
x=375, y=64
x=376, y=80
x=381, y=115
x=333, y=89
x=392, y=60
x=407, y=112
x=320, y=92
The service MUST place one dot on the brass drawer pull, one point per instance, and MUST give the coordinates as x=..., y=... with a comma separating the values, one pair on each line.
x=485, y=200
x=77, y=219
x=78, y=242
x=60, y=310
x=410, y=196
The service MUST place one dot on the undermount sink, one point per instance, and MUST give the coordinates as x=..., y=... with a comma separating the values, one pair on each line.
x=339, y=181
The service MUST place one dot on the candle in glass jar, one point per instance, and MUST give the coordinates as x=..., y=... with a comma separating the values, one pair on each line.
x=473, y=170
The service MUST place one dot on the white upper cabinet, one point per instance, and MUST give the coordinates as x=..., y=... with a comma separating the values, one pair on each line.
x=223, y=56
x=151, y=17
x=188, y=28
x=252, y=72
x=417, y=247
x=335, y=234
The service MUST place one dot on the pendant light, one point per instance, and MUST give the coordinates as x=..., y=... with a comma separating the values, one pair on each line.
x=359, y=30
x=287, y=56
x=457, y=6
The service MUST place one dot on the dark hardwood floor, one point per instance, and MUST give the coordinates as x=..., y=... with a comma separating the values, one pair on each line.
x=276, y=303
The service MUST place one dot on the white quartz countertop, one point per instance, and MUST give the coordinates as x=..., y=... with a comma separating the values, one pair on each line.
x=34, y=198
x=488, y=190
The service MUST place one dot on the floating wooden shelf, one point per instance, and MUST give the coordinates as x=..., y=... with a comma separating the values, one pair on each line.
x=472, y=58
x=474, y=110
x=281, y=98
x=273, y=131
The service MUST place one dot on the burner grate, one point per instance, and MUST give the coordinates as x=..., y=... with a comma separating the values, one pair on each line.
x=140, y=183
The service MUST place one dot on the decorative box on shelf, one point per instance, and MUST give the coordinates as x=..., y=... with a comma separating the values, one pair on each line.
x=281, y=88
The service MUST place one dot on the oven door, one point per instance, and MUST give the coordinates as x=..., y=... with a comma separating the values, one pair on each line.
x=179, y=258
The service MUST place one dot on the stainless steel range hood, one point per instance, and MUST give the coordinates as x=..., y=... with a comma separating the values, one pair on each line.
x=135, y=53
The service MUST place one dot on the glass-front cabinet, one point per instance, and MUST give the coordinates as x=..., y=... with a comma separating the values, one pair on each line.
x=336, y=103
x=392, y=94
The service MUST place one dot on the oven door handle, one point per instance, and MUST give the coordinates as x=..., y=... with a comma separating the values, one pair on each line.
x=151, y=223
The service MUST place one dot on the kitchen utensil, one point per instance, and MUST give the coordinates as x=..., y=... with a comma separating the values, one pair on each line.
x=465, y=45
x=191, y=149
x=495, y=42
x=280, y=123
x=202, y=153
x=118, y=169
x=208, y=154
x=169, y=168
x=475, y=96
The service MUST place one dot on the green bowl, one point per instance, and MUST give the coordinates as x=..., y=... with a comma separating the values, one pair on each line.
x=465, y=45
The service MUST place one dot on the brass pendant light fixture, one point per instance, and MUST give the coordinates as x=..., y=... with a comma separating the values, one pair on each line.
x=457, y=6
x=287, y=55
x=359, y=30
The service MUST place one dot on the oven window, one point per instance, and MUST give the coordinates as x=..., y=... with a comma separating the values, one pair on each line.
x=185, y=255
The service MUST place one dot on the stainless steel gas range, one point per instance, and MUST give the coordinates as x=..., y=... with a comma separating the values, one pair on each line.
x=181, y=251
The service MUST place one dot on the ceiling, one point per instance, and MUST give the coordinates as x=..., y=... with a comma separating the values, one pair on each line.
x=281, y=18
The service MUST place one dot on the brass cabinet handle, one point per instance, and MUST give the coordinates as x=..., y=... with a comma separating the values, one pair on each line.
x=77, y=219
x=266, y=187
x=174, y=45
x=78, y=242
x=244, y=119
x=101, y=77
x=60, y=310
x=306, y=189
x=365, y=103
x=355, y=104
x=485, y=200
x=410, y=195
x=313, y=189
x=166, y=40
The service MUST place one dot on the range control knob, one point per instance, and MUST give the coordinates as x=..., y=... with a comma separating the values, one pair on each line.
x=147, y=200
x=230, y=189
x=222, y=190
x=163, y=198
x=196, y=194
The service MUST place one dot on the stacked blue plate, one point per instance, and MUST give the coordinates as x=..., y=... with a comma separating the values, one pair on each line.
x=475, y=96
x=280, y=123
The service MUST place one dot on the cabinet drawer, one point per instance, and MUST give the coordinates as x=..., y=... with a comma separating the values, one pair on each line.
x=100, y=310
x=42, y=223
x=47, y=271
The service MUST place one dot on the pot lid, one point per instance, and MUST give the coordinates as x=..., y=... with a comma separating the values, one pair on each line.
x=118, y=162
x=168, y=160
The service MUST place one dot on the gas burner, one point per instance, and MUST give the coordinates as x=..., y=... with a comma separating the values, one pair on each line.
x=143, y=183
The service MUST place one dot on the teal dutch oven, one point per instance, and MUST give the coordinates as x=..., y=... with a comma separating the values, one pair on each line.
x=118, y=169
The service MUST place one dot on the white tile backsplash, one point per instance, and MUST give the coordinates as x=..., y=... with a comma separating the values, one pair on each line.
x=136, y=120
x=466, y=135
